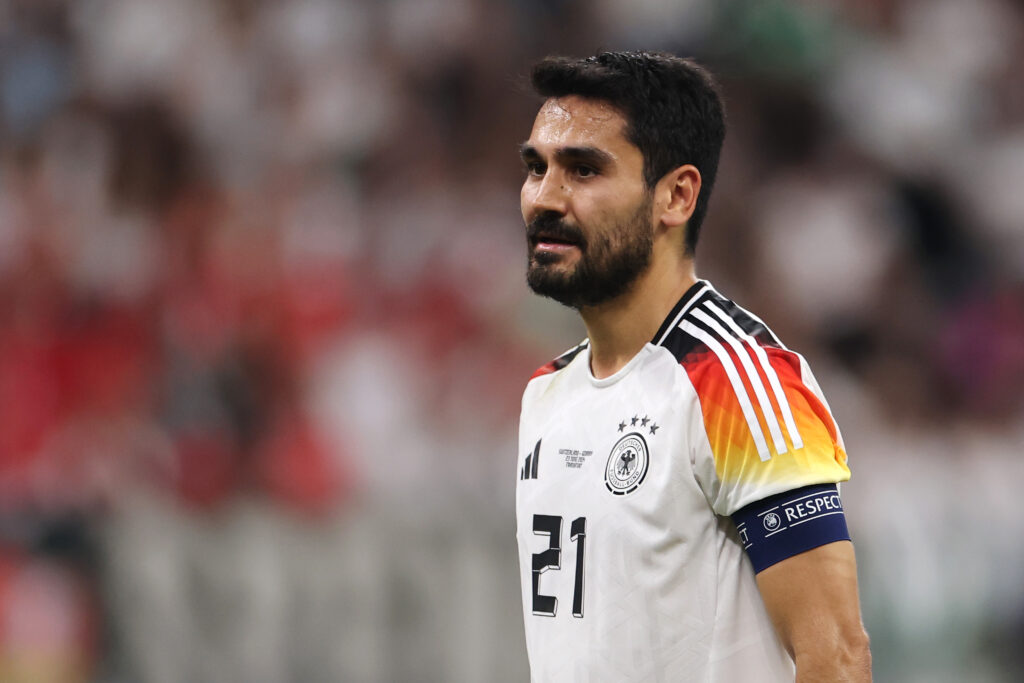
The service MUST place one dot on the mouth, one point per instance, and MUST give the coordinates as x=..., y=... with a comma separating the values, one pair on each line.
x=552, y=246
x=545, y=239
x=552, y=239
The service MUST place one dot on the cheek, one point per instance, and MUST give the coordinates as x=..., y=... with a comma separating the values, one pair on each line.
x=525, y=199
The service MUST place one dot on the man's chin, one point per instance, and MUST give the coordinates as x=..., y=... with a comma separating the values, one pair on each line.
x=553, y=283
x=546, y=266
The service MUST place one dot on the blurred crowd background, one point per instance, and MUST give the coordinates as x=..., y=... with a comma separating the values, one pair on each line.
x=264, y=327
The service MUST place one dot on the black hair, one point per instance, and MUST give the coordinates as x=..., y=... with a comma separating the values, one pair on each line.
x=673, y=111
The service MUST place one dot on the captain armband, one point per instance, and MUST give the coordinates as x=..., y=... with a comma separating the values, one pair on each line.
x=790, y=523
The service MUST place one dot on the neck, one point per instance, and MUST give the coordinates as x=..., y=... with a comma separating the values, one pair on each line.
x=620, y=328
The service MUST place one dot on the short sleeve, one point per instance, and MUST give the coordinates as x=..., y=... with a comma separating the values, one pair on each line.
x=766, y=427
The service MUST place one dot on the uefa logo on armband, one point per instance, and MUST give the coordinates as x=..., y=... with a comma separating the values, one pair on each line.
x=771, y=521
x=627, y=465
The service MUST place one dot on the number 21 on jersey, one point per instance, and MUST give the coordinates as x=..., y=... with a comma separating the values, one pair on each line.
x=551, y=526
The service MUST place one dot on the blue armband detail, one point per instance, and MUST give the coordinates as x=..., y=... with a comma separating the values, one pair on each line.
x=790, y=523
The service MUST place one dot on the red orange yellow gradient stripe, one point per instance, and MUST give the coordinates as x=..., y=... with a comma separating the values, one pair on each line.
x=737, y=454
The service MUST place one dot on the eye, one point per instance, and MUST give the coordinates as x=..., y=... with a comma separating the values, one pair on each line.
x=585, y=171
x=535, y=168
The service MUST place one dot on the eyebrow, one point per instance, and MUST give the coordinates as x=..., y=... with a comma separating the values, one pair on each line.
x=586, y=155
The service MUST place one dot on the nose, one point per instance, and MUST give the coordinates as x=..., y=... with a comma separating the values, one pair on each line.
x=544, y=194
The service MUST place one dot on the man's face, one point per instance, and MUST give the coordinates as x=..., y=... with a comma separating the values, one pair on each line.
x=587, y=209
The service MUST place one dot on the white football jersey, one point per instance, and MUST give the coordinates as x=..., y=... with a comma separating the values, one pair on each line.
x=631, y=567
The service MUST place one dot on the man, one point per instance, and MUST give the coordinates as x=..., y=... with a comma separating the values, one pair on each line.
x=677, y=504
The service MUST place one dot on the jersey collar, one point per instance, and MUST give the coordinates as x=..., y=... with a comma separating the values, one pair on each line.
x=682, y=306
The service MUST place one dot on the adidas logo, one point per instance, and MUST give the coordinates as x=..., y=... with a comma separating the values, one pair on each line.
x=531, y=463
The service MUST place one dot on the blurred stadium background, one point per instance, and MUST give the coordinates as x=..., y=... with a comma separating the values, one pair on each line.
x=263, y=325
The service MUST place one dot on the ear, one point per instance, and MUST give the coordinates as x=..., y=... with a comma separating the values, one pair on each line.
x=678, y=189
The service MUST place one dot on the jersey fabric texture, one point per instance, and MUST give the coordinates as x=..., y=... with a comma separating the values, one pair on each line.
x=631, y=566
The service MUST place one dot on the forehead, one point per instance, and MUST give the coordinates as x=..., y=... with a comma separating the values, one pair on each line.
x=575, y=121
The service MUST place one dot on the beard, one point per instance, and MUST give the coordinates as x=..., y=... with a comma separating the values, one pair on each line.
x=610, y=262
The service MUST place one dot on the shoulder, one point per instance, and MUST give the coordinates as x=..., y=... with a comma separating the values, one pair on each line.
x=751, y=388
x=561, y=362
x=543, y=385
x=757, y=400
